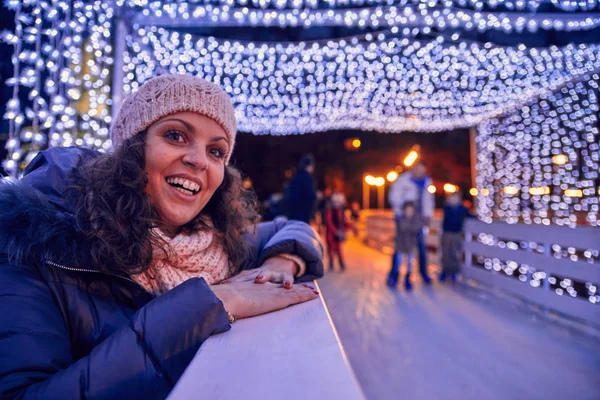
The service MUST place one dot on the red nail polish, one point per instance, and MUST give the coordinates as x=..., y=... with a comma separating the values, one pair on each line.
x=225, y=282
x=259, y=277
x=315, y=292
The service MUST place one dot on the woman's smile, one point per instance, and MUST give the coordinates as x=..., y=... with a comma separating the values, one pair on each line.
x=184, y=185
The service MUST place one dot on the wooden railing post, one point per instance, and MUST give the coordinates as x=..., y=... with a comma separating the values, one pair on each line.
x=548, y=253
x=468, y=239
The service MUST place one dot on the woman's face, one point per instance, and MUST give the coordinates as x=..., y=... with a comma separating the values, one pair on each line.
x=185, y=164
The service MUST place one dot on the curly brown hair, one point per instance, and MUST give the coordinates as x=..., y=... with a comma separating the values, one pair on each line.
x=116, y=214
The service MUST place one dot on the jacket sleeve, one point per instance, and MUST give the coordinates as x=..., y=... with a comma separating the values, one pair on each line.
x=395, y=196
x=141, y=360
x=428, y=200
x=286, y=237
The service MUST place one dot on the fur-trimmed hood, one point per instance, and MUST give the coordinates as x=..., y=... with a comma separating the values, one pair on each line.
x=37, y=221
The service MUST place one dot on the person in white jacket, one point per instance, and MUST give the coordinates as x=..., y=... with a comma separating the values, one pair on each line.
x=412, y=186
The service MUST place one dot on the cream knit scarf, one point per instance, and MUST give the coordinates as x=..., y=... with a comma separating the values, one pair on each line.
x=199, y=254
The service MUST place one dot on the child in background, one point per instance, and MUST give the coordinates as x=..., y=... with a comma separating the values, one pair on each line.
x=335, y=229
x=452, y=238
x=408, y=228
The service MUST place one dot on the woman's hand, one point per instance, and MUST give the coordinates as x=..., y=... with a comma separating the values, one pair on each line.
x=275, y=270
x=245, y=299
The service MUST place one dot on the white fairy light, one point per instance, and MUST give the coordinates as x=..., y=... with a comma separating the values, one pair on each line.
x=424, y=14
x=371, y=83
x=518, y=5
x=66, y=76
x=520, y=149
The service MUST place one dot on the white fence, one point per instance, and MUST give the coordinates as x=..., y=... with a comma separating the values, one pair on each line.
x=556, y=267
x=378, y=230
x=291, y=354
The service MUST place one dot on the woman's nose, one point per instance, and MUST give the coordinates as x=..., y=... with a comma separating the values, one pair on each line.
x=196, y=158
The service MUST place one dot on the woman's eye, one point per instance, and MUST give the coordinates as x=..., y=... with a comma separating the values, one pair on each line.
x=217, y=152
x=174, y=135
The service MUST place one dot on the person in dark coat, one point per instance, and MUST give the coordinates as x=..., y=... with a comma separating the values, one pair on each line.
x=300, y=195
x=322, y=205
x=455, y=215
x=408, y=227
x=113, y=266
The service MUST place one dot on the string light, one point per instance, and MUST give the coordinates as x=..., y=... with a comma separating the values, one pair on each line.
x=549, y=148
x=386, y=81
x=63, y=61
x=169, y=14
x=531, y=5
x=372, y=82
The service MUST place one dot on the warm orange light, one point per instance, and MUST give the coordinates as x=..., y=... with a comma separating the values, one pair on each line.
x=539, y=191
x=370, y=179
x=450, y=188
x=379, y=181
x=356, y=143
x=431, y=189
x=511, y=190
x=411, y=158
x=392, y=176
x=574, y=193
x=473, y=192
x=485, y=192
x=560, y=159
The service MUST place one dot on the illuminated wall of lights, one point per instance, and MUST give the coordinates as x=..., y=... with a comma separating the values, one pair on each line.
x=430, y=14
x=62, y=62
x=375, y=82
x=530, y=5
x=388, y=81
x=540, y=164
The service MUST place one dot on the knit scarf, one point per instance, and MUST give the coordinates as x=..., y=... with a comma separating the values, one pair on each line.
x=198, y=255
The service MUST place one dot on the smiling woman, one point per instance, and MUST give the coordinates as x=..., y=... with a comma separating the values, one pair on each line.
x=115, y=268
x=185, y=166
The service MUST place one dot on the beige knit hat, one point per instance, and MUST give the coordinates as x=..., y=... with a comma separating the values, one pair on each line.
x=169, y=94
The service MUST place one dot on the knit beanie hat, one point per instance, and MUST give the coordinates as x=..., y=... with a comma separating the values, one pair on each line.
x=169, y=94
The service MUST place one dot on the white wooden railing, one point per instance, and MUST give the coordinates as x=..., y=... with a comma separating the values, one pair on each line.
x=378, y=230
x=534, y=262
x=292, y=354
x=556, y=267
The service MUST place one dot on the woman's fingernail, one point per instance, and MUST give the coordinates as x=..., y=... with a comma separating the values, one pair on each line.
x=287, y=283
x=315, y=292
x=224, y=282
x=259, y=277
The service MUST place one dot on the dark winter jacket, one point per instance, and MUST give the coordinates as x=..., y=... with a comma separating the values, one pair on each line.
x=407, y=231
x=69, y=330
x=454, y=218
x=301, y=197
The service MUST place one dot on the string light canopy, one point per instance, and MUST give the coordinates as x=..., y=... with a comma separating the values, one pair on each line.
x=518, y=5
x=184, y=14
x=375, y=82
x=74, y=58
